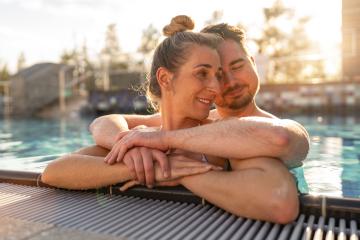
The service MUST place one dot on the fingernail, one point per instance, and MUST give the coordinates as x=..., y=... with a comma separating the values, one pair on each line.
x=150, y=186
x=166, y=174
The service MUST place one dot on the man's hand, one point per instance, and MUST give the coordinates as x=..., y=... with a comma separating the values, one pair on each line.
x=140, y=160
x=136, y=138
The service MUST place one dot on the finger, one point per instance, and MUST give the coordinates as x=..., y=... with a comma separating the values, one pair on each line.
x=128, y=185
x=118, y=157
x=129, y=163
x=121, y=135
x=163, y=161
x=167, y=183
x=139, y=167
x=148, y=167
x=106, y=159
x=182, y=172
x=110, y=157
x=122, y=151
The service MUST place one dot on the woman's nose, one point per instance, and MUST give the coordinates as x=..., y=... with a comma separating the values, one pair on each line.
x=214, y=85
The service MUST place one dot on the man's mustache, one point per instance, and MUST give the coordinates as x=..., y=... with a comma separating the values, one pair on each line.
x=234, y=88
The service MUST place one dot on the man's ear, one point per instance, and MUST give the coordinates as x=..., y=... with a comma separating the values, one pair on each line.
x=164, y=77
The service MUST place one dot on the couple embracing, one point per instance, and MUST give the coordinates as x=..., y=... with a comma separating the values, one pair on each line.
x=237, y=156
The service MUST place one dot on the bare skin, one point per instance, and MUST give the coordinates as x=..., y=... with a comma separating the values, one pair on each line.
x=64, y=172
x=199, y=76
x=261, y=141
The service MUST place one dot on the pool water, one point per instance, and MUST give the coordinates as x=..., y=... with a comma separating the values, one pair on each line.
x=331, y=168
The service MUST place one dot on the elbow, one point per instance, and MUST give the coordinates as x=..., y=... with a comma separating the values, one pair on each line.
x=49, y=175
x=284, y=207
x=95, y=123
x=281, y=137
x=292, y=148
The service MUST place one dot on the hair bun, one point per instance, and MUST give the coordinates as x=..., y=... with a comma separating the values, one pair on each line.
x=179, y=23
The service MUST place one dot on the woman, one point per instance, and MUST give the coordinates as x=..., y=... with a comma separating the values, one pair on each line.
x=183, y=84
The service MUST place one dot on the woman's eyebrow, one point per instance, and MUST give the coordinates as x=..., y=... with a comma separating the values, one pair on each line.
x=203, y=65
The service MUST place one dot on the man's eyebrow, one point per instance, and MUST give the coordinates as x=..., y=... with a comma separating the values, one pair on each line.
x=239, y=60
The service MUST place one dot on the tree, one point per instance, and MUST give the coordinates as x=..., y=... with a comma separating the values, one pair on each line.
x=287, y=50
x=21, y=62
x=4, y=73
x=111, y=53
x=149, y=41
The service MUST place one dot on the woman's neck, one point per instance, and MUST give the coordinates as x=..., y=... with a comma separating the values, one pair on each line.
x=172, y=119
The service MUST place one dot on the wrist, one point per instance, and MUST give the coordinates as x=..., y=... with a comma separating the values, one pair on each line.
x=166, y=139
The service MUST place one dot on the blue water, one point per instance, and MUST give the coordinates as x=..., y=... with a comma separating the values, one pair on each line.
x=332, y=167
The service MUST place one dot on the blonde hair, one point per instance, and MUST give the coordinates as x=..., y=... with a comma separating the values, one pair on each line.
x=173, y=52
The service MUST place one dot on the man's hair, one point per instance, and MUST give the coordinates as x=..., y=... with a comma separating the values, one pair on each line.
x=226, y=31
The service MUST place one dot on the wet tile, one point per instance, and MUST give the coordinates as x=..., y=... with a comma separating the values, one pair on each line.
x=14, y=229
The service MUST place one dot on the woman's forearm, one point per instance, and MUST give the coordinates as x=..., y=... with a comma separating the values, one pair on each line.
x=79, y=172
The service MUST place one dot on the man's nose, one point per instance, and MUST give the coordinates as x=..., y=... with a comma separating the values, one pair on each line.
x=228, y=79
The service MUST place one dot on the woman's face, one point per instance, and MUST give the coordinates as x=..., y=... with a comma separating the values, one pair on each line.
x=196, y=83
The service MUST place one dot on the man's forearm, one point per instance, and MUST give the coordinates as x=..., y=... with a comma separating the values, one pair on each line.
x=105, y=129
x=267, y=193
x=244, y=138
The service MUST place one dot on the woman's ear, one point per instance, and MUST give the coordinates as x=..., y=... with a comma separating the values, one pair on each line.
x=164, y=77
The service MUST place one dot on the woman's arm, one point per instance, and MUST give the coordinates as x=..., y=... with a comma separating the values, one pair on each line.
x=79, y=172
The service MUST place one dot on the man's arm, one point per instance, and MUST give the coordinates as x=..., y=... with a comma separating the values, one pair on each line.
x=104, y=129
x=238, y=138
x=246, y=137
x=258, y=188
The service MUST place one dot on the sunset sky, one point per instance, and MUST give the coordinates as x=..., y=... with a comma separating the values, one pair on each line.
x=42, y=29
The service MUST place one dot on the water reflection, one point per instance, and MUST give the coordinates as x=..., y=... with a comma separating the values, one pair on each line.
x=27, y=144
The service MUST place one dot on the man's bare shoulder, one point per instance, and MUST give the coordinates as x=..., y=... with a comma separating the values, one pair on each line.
x=262, y=113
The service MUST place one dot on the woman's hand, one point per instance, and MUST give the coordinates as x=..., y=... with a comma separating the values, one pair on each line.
x=140, y=161
x=180, y=166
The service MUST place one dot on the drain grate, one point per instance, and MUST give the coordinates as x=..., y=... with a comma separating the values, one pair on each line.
x=140, y=218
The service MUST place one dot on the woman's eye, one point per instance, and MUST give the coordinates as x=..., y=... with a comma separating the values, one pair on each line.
x=202, y=74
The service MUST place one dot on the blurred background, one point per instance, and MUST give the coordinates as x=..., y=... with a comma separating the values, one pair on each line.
x=63, y=62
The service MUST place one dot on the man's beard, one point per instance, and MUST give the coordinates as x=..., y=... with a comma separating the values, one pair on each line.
x=241, y=101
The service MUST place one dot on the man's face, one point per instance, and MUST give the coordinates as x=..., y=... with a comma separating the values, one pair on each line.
x=240, y=82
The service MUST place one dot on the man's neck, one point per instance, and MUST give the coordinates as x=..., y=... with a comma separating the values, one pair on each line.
x=249, y=110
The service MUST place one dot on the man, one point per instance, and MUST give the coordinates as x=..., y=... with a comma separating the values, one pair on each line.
x=259, y=185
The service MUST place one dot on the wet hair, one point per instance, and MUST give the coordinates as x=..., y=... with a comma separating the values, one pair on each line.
x=174, y=51
x=226, y=31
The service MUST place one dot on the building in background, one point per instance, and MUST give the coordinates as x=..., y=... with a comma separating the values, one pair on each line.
x=351, y=39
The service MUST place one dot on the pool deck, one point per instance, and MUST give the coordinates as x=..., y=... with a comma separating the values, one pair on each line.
x=16, y=229
x=29, y=212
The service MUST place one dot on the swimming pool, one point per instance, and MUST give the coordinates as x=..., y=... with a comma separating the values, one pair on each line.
x=332, y=167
